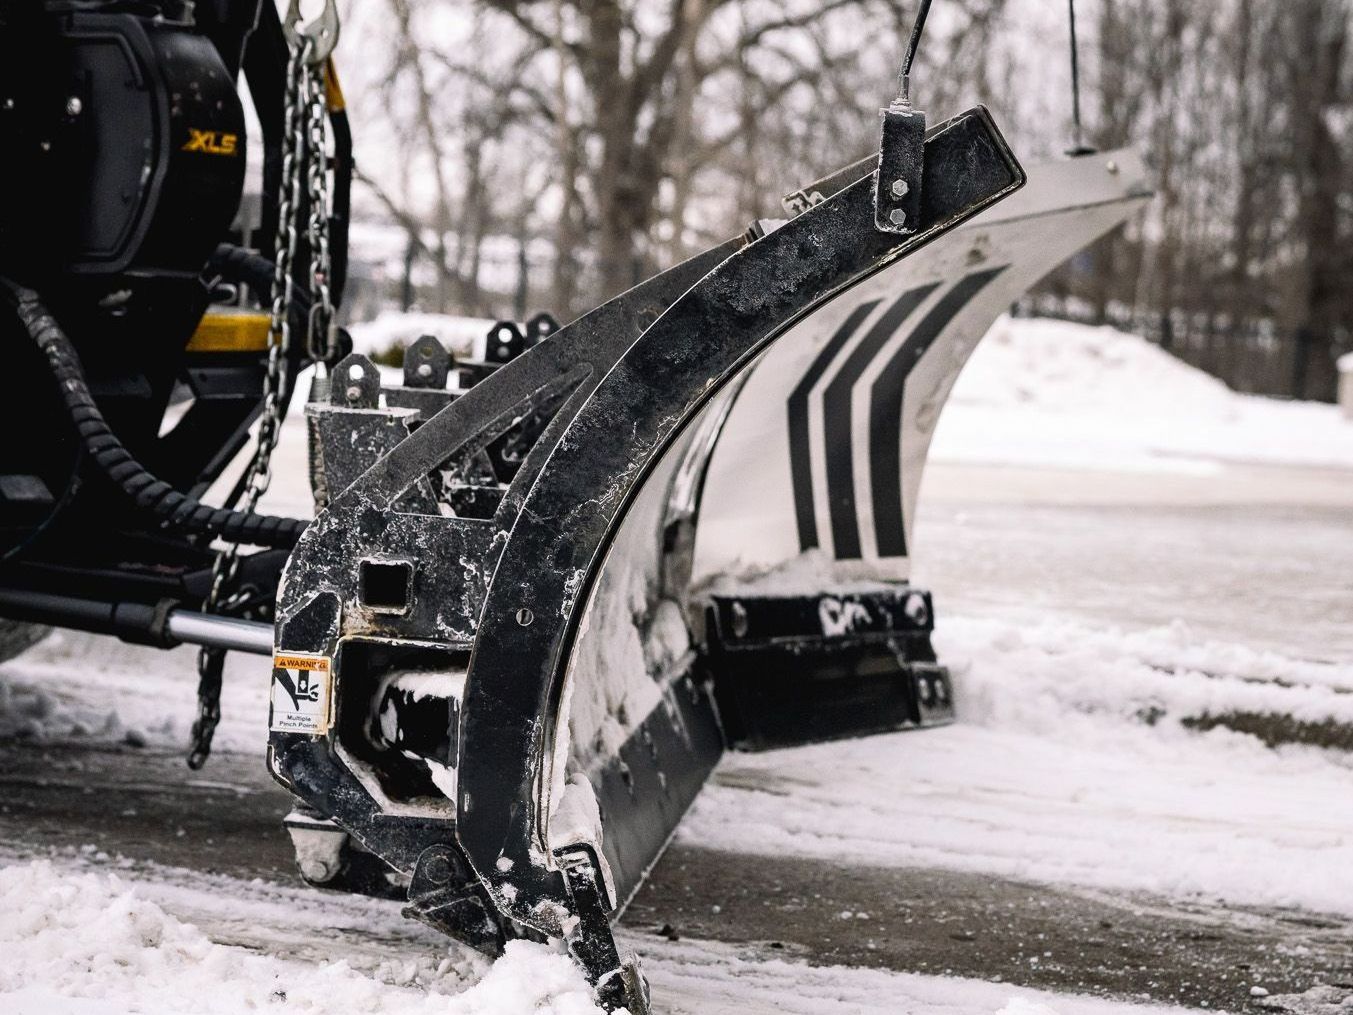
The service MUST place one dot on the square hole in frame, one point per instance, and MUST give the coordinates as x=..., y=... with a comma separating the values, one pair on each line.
x=386, y=585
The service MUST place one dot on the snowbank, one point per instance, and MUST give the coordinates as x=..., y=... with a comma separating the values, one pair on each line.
x=30, y=711
x=1070, y=765
x=82, y=943
x=90, y=943
x=95, y=689
x=1051, y=393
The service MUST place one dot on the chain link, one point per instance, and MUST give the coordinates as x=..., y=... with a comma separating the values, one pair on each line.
x=321, y=335
x=303, y=147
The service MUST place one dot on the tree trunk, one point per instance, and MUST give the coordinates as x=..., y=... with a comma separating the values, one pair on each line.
x=1323, y=29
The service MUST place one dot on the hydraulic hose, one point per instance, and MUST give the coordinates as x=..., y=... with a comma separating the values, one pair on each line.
x=153, y=495
x=240, y=265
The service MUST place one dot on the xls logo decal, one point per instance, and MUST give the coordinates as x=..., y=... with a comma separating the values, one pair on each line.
x=885, y=417
x=211, y=142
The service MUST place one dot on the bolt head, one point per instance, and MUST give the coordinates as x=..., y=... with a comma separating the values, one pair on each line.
x=915, y=608
x=424, y=370
x=525, y=617
x=900, y=188
x=897, y=217
x=1112, y=167
x=354, y=392
x=74, y=106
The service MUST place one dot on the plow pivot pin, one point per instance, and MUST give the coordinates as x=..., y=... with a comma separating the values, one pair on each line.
x=438, y=870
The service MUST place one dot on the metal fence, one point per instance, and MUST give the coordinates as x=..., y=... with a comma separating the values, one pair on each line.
x=1254, y=357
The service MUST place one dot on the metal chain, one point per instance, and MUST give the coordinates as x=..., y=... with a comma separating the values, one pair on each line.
x=297, y=115
x=321, y=335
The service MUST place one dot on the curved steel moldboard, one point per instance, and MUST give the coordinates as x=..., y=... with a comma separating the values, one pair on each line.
x=819, y=464
x=568, y=517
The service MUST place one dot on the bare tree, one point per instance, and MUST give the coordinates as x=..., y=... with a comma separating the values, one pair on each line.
x=1318, y=82
x=621, y=135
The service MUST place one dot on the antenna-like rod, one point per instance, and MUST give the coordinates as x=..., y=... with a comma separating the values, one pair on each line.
x=904, y=81
x=1078, y=145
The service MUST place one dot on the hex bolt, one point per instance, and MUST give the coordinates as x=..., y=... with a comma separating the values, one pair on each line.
x=525, y=617
x=900, y=188
x=915, y=608
x=897, y=217
x=74, y=106
x=354, y=392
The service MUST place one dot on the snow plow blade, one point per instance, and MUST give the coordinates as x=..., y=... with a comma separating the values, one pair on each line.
x=536, y=611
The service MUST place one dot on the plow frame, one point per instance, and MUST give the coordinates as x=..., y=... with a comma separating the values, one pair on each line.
x=624, y=383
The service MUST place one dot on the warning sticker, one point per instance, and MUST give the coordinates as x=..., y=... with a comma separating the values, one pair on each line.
x=302, y=693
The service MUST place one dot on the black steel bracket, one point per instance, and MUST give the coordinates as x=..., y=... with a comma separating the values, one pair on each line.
x=445, y=894
x=897, y=179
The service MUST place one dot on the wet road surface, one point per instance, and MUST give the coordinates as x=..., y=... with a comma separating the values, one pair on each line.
x=144, y=804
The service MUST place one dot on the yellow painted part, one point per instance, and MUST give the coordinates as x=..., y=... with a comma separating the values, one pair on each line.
x=230, y=332
x=333, y=94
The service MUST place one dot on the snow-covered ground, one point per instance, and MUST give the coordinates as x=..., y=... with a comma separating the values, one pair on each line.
x=93, y=943
x=94, y=936
x=1070, y=766
x=1077, y=759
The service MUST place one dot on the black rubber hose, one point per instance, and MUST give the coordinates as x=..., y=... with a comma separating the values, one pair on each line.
x=237, y=264
x=150, y=494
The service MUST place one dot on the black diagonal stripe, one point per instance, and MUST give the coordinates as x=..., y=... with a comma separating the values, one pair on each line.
x=836, y=415
x=800, y=454
x=885, y=413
